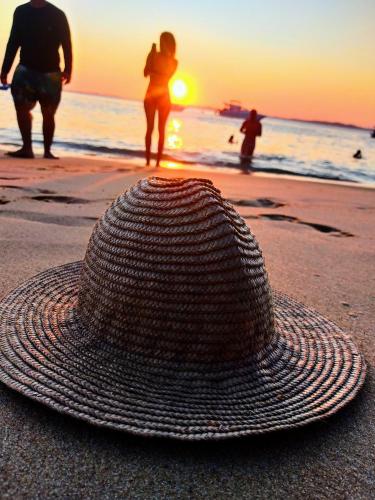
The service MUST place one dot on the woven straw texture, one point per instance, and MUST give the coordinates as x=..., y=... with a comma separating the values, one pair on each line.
x=169, y=327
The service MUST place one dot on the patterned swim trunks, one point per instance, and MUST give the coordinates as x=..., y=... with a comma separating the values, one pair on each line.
x=29, y=86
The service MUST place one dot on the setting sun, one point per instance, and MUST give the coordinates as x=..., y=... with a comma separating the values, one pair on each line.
x=183, y=89
x=179, y=89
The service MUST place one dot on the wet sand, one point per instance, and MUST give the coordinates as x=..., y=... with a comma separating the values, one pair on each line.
x=318, y=241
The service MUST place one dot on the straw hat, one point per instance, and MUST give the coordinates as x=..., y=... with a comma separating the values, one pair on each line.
x=169, y=327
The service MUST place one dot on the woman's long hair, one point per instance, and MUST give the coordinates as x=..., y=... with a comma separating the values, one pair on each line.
x=167, y=44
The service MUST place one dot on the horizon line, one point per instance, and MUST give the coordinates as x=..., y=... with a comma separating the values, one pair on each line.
x=202, y=106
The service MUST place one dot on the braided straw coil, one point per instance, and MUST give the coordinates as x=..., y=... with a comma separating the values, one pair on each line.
x=169, y=327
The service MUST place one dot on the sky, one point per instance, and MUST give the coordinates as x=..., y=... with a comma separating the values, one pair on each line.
x=310, y=59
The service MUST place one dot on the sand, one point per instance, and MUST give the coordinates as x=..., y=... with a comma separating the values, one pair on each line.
x=318, y=241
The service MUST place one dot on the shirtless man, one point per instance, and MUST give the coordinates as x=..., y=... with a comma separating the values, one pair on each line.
x=39, y=29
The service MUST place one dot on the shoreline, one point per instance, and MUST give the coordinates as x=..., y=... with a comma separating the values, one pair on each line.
x=113, y=129
x=137, y=157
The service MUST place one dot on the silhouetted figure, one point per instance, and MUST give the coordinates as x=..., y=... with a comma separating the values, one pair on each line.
x=160, y=66
x=373, y=134
x=231, y=140
x=358, y=155
x=252, y=129
x=39, y=29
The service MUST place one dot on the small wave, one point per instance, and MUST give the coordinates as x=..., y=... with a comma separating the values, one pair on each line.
x=261, y=163
x=311, y=175
x=106, y=150
x=278, y=158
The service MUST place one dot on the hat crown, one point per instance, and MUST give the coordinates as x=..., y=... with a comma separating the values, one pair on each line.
x=173, y=272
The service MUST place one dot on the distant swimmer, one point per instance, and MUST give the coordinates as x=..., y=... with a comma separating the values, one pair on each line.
x=252, y=129
x=358, y=155
x=231, y=140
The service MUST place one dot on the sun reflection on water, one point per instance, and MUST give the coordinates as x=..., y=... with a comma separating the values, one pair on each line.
x=174, y=140
x=171, y=165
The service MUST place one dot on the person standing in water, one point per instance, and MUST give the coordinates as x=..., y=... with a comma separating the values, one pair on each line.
x=39, y=29
x=160, y=67
x=252, y=128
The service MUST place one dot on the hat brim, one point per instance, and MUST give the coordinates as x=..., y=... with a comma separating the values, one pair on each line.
x=309, y=372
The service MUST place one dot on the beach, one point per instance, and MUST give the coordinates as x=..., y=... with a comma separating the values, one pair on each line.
x=105, y=127
x=318, y=241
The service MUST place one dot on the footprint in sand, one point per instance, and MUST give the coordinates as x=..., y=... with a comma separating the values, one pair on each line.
x=60, y=220
x=27, y=189
x=286, y=218
x=365, y=208
x=322, y=228
x=47, y=195
x=258, y=203
x=61, y=199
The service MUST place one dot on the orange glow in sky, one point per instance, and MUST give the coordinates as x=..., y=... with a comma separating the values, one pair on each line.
x=309, y=60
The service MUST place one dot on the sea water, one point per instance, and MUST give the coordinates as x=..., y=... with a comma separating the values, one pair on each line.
x=107, y=126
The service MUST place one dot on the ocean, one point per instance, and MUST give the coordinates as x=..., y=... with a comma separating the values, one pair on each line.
x=111, y=127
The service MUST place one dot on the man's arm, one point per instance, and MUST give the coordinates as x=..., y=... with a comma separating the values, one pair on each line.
x=66, y=43
x=11, y=50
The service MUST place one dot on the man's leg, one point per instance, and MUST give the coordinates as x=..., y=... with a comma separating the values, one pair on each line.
x=48, y=112
x=49, y=95
x=24, y=101
x=24, y=119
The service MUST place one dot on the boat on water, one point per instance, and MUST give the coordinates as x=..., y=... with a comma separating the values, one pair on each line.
x=234, y=109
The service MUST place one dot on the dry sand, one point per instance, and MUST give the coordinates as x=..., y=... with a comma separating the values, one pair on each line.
x=318, y=240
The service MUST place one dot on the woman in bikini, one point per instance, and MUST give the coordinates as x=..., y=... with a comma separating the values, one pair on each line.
x=160, y=67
